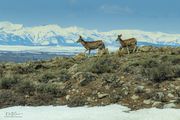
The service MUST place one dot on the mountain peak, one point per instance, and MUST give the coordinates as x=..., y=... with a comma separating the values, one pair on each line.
x=53, y=34
x=10, y=26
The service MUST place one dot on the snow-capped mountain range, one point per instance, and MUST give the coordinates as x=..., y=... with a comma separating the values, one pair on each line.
x=49, y=35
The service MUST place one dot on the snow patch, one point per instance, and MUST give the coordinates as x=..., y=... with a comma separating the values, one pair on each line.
x=111, y=112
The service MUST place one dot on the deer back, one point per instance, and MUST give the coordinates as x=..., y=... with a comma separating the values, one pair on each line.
x=93, y=44
x=128, y=42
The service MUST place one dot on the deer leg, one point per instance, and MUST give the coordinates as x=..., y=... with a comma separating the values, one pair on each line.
x=134, y=49
x=85, y=51
x=127, y=49
x=120, y=48
x=137, y=48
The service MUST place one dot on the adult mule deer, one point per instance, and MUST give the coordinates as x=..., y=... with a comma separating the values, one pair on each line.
x=127, y=43
x=91, y=45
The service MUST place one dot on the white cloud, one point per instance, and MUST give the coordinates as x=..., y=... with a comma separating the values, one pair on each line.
x=115, y=9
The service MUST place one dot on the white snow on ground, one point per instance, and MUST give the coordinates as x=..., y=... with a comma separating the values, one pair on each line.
x=111, y=112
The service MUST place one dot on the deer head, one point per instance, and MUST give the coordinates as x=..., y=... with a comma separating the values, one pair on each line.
x=80, y=39
x=119, y=37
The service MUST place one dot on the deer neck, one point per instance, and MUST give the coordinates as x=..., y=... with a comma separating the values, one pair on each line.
x=121, y=42
x=83, y=43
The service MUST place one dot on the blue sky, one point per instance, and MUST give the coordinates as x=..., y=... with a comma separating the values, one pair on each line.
x=103, y=15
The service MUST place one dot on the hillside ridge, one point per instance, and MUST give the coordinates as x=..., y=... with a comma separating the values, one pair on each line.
x=148, y=78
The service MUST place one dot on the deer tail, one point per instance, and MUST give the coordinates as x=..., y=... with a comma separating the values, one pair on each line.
x=103, y=46
x=136, y=42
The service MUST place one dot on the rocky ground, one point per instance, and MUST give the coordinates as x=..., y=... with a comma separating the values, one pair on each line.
x=147, y=78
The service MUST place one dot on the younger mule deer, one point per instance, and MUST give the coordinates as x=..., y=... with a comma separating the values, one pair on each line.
x=91, y=45
x=132, y=43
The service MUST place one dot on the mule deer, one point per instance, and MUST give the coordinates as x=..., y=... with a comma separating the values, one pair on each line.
x=91, y=45
x=132, y=43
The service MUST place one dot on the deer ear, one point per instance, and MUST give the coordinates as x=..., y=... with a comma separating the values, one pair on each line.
x=120, y=35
